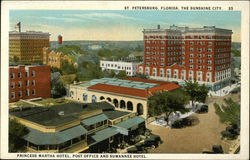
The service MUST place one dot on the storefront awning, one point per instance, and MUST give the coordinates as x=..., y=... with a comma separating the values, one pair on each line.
x=94, y=119
x=131, y=123
x=103, y=135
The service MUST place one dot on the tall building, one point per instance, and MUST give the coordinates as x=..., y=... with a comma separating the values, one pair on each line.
x=27, y=82
x=27, y=47
x=183, y=53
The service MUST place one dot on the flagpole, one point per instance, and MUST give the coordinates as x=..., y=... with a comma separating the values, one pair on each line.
x=19, y=27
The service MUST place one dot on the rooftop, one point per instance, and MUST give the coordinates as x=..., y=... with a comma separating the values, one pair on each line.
x=174, y=28
x=50, y=116
x=131, y=86
x=115, y=114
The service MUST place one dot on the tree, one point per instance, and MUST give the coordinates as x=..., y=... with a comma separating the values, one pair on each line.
x=140, y=75
x=196, y=92
x=16, y=133
x=67, y=68
x=121, y=75
x=167, y=102
x=229, y=113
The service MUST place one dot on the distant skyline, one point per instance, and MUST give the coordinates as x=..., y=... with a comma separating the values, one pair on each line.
x=118, y=25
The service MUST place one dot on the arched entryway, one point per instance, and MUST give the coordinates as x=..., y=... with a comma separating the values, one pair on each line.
x=115, y=101
x=122, y=104
x=139, y=109
x=130, y=105
x=102, y=98
x=94, y=99
x=109, y=99
x=84, y=97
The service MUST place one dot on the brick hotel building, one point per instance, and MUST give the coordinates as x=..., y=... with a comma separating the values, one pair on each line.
x=27, y=82
x=183, y=53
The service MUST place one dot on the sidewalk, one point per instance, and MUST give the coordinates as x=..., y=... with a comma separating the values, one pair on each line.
x=223, y=91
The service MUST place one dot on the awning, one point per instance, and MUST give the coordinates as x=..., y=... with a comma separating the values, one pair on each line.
x=131, y=123
x=103, y=135
x=49, y=138
x=94, y=119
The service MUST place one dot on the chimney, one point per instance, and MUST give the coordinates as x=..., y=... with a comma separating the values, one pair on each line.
x=158, y=26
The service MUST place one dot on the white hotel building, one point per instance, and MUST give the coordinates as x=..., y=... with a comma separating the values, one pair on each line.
x=117, y=66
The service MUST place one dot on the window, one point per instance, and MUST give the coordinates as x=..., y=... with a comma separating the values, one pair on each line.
x=210, y=43
x=12, y=85
x=191, y=49
x=191, y=55
x=27, y=82
x=209, y=62
x=20, y=93
x=209, y=50
x=19, y=84
x=33, y=92
x=13, y=95
x=27, y=74
x=12, y=75
x=191, y=66
x=33, y=74
x=191, y=60
x=209, y=68
x=27, y=92
x=19, y=75
x=33, y=82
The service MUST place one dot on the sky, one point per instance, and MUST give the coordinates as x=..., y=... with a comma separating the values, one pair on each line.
x=118, y=24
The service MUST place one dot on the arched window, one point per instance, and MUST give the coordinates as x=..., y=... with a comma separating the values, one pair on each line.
x=130, y=106
x=139, y=109
x=84, y=97
x=122, y=104
x=94, y=99
x=115, y=101
x=71, y=93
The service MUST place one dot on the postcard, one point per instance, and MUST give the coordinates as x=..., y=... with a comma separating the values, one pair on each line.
x=125, y=80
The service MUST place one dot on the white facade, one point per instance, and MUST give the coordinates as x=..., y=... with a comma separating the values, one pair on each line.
x=129, y=67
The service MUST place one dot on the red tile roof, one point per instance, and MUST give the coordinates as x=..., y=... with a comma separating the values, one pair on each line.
x=134, y=91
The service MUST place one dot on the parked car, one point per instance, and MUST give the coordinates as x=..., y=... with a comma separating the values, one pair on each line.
x=203, y=109
x=153, y=141
x=217, y=149
x=231, y=132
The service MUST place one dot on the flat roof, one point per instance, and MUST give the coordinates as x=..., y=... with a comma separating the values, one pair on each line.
x=119, y=82
x=48, y=138
x=115, y=114
x=50, y=116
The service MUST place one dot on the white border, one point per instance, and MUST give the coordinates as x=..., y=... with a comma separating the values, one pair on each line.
x=242, y=6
